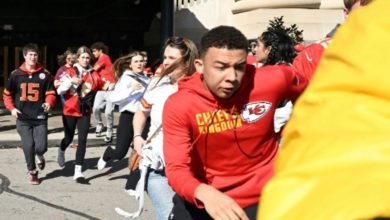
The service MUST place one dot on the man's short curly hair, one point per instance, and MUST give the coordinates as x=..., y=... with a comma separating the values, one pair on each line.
x=100, y=46
x=30, y=47
x=223, y=37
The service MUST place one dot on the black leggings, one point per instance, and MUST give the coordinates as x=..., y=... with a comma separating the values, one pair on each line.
x=70, y=123
x=124, y=136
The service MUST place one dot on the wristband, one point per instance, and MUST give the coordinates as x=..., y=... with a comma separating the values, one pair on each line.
x=138, y=135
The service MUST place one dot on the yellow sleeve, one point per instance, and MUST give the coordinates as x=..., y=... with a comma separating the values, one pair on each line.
x=334, y=162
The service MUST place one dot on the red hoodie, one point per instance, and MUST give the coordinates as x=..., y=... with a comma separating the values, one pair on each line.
x=230, y=143
x=307, y=60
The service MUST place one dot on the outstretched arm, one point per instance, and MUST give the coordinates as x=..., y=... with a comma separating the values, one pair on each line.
x=139, y=122
x=218, y=205
x=178, y=155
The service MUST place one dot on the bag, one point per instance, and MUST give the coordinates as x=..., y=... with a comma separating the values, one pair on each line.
x=134, y=160
x=86, y=103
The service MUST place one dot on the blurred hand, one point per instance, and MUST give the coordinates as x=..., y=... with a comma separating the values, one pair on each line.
x=15, y=112
x=111, y=86
x=57, y=83
x=139, y=143
x=75, y=80
x=136, y=86
x=218, y=205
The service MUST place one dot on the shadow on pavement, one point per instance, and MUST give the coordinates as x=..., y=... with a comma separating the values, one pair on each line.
x=89, y=164
x=7, y=127
x=115, y=167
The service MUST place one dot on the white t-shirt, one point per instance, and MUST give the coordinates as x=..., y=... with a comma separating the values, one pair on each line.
x=153, y=101
x=282, y=115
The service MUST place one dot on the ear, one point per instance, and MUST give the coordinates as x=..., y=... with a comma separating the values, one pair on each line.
x=268, y=50
x=199, y=65
x=346, y=13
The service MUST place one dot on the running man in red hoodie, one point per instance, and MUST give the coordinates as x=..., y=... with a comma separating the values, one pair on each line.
x=29, y=95
x=219, y=142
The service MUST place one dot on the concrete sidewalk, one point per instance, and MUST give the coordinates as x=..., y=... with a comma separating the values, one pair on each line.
x=10, y=138
x=59, y=196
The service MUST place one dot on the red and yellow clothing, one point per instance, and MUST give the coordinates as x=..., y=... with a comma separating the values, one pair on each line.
x=229, y=144
x=27, y=91
x=334, y=159
x=159, y=70
x=91, y=82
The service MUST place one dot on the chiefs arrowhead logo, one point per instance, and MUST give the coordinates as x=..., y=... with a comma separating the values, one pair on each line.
x=255, y=110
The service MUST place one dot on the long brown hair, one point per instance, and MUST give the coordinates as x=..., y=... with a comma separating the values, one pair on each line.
x=123, y=63
x=189, y=53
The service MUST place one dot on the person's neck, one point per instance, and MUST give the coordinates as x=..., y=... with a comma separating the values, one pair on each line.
x=30, y=68
x=175, y=81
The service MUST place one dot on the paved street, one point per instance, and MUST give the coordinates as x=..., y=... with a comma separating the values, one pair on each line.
x=58, y=196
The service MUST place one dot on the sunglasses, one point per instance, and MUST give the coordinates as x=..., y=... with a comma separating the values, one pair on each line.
x=179, y=41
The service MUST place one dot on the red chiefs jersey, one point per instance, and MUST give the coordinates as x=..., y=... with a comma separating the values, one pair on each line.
x=91, y=82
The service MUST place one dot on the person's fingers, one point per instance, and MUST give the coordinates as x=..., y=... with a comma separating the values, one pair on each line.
x=239, y=212
x=227, y=215
x=233, y=213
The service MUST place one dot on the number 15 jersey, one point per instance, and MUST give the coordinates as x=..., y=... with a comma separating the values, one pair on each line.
x=27, y=91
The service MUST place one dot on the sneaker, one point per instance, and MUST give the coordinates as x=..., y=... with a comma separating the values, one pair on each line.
x=33, y=177
x=40, y=160
x=78, y=174
x=101, y=163
x=61, y=158
x=99, y=129
x=108, y=137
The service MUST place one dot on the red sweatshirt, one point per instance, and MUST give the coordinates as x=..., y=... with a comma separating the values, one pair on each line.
x=103, y=66
x=307, y=61
x=229, y=144
x=91, y=82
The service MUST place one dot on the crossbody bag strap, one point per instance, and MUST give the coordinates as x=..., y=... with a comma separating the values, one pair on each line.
x=139, y=80
x=154, y=134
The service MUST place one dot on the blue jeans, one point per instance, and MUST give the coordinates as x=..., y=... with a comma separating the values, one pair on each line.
x=160, y=193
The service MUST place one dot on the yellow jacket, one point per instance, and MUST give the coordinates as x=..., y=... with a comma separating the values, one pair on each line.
x=335, y=157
